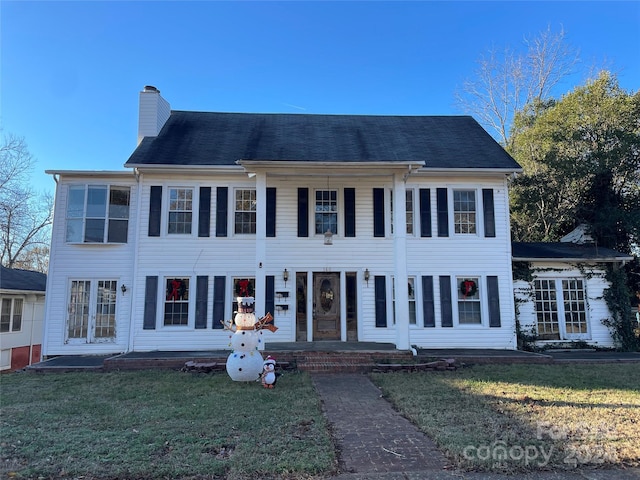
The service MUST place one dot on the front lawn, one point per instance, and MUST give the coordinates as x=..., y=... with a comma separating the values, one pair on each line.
x=526, y=417
x=160, y=424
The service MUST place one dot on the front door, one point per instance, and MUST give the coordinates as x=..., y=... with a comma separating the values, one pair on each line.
x=326, y=306
x=91, y=311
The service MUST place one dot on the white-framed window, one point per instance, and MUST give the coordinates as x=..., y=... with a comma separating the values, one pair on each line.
x=245, y=211
x=326, y=211
x=97, y=214
x=409, y=214
x=91, y=311
x=560, y=320
x=464, y=211
x=409, y=202
x=411, y=286
x=469, y=305
x=180, y=210
x=11, y=315
x=176, y=302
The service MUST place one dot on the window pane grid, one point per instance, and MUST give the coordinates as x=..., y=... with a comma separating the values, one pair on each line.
x=106, y=309
x=180, y=210
x=464, y=211
x=409, y=215
x=78, y=314
x=574, y=306
x=176, y=306
x=245, y=212
x=546, y=309
x=89, y=210
x=469, y=311
x=5, y=315
x=326, y=211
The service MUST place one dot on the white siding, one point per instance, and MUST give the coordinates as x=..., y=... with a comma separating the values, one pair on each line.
x=597, y=310
x=31, y=330
x=235, y=256
x=93, y=262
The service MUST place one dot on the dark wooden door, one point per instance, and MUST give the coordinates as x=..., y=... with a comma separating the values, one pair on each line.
x=326, y=306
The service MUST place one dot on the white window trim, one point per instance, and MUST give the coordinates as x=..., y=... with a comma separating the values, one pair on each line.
x=231, y=227
x=195, y=202
x=479, y=211
x=562, y=327
x=191, y=318
x=339, y=211
x=11, y=314
x=484, y=303
x=86, y=186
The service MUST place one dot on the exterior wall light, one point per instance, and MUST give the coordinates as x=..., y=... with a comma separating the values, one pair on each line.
x=328, y=237
x=123, y=288
x=367, y=275
x=285, y=276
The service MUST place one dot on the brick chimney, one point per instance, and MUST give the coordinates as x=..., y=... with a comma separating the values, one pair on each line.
x=153, y=112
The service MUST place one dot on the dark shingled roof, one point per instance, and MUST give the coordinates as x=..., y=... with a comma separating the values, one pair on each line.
x=563, y=251
x=202, y=138
x=15, y=279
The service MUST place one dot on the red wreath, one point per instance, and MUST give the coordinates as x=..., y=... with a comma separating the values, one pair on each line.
x=468, y=288
x=176, y=290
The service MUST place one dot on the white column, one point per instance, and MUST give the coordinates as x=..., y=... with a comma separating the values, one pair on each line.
x=400, y=260
x=262, y=264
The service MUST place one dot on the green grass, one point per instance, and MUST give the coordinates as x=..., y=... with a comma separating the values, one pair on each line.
x=160, y=424
x=525, y=417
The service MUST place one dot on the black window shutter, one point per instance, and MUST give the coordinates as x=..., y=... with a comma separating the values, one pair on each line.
x=428, y=301
x=425, y=212
x=349, y=212
x=489, y=215
x=378, y=212
x=443, y=212
x=271, y=212
x=155, y=210
x=493, y=294
x=303, y=212
x=269, y=294
x=381, y=300
x=202, y=292
x=222, y=203
x=150, y=303
x=204, y=212
x=218, y=301
x=445, y=301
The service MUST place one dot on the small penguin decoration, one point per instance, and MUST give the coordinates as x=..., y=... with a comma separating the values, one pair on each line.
x=269, y=375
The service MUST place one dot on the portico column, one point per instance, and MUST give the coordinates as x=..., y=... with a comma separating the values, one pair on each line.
x=262, y=264
x=400, y=260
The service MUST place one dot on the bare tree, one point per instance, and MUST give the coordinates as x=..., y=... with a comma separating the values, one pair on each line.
x=25, y=216
x=505, y=82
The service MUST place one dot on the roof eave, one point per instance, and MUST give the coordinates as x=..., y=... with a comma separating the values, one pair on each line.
x=574, y=259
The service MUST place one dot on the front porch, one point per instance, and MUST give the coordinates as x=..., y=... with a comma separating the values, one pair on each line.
x=321, y=356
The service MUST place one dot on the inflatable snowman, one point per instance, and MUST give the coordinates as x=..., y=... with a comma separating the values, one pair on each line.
x=244, y=363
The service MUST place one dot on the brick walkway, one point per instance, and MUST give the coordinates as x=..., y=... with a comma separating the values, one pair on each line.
x=371, y=436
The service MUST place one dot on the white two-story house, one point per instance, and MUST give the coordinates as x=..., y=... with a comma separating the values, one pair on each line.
x=344, y=227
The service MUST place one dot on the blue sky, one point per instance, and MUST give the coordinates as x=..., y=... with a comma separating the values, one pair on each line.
x=71, y=71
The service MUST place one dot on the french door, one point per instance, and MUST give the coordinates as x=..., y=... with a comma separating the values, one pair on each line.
x=91, y=311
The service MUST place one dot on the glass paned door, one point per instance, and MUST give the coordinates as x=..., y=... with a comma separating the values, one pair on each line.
x=91, y=311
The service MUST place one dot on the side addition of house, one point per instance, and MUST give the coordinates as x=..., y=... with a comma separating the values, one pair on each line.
x=368, y=228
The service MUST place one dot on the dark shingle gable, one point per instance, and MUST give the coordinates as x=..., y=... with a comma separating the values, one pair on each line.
x=527, y=251
x=203, y=139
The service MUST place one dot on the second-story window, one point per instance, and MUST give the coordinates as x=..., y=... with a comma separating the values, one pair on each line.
x=180, y=210
x=464, y=211
x=326, y=211
x=97, y=214
x=245, y=211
